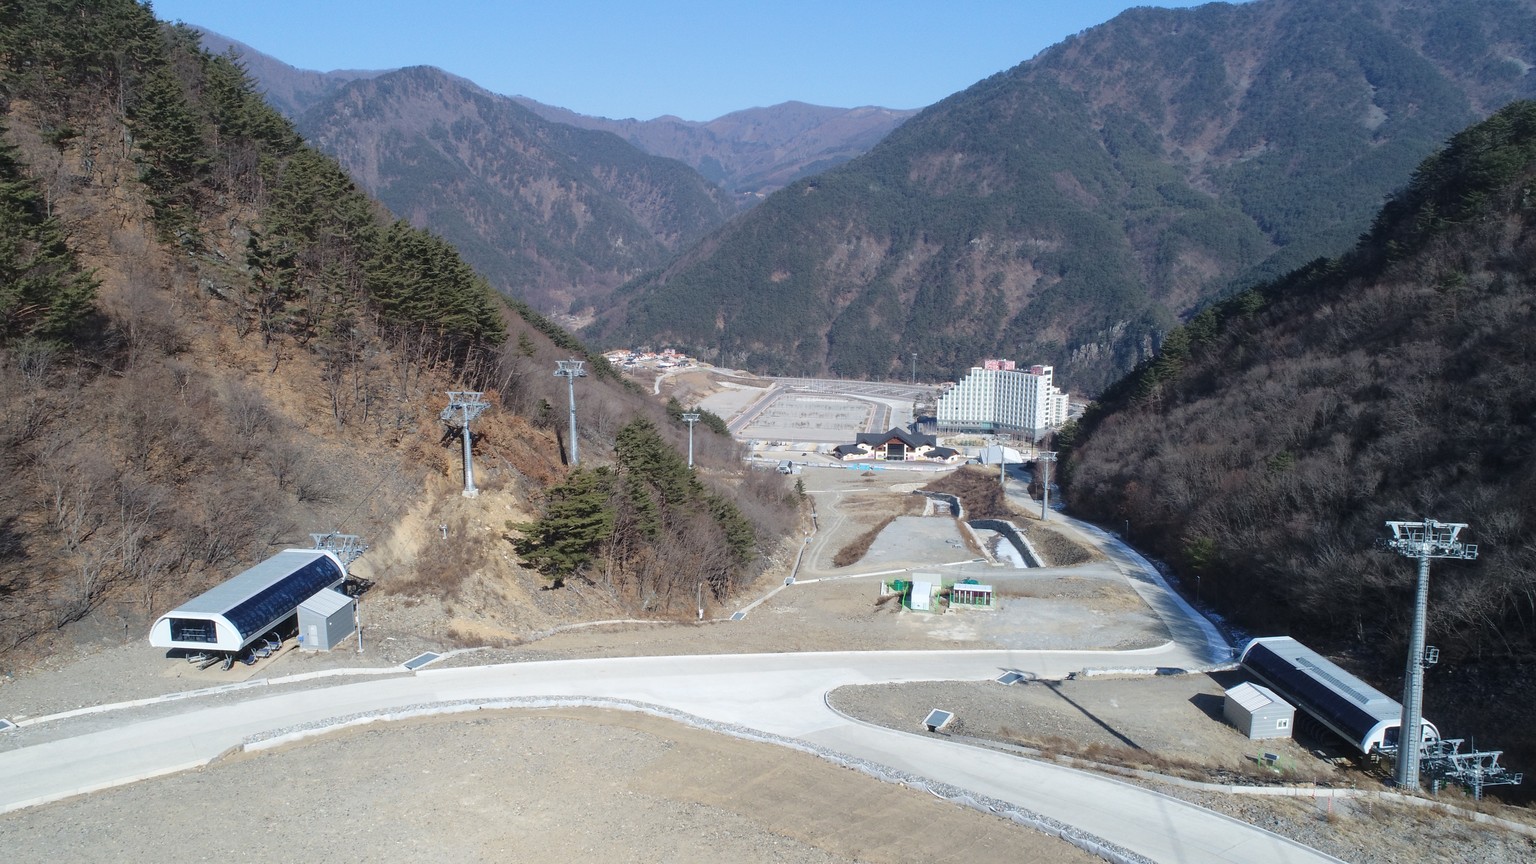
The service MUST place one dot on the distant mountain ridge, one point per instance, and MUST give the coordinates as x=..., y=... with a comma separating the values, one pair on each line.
x=1072, y=209
x=754, y=151
x=290, y=90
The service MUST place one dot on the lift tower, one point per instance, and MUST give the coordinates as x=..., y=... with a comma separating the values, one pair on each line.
x=690, y=418
x=1044, y=460
x=570, y=370
x=1421, y=540
x=463, y=408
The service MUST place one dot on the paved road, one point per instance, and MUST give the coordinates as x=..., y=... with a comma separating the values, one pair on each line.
x=782, y=694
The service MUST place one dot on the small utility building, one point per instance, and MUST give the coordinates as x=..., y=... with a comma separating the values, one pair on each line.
x=325, y=619
x=246, y=607
x=1258, y=713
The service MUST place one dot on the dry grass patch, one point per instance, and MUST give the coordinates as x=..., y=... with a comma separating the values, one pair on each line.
x=1057, y=549
x=1098, y=754
x=883, y=509
x=854, y=552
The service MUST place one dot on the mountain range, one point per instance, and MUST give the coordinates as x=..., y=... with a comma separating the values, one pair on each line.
x=553, y=207
x=214, y=343
x=552, y=214
x=1073, y=209
x=753, y=152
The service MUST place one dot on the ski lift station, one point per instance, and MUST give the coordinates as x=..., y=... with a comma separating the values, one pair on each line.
x=232, y=615
x=1363, y=716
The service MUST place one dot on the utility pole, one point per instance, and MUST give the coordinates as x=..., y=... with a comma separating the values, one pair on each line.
x=914, y=368
x=570, y=370
x=1044, y=460
x=1421, y=540
x=465, y=406
x=690, y=419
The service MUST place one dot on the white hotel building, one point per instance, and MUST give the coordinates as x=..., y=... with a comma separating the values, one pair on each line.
x=997, y=397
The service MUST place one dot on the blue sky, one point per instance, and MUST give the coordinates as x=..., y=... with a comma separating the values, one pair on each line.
x=692, y=58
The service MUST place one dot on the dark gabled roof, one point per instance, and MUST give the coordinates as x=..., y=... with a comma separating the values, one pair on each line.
x=846, y=449
x=911, y=439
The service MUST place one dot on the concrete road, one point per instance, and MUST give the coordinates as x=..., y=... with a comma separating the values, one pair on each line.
x=782, y=694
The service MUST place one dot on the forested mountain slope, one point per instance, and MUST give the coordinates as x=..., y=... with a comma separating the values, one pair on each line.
x=1071, y=209
x=541, y=253
x=213, y=343
x=551, y=214
x=1263, y=449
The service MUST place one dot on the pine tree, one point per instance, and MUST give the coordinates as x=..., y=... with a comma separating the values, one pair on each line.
x=170, y=135
x=44, y=294
x=643, y=457
x=577, y=521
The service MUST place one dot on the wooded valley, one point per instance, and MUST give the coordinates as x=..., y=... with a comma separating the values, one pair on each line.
x=1263, y=449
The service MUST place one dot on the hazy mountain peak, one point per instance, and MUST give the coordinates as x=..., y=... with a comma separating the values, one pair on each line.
x=291, y=91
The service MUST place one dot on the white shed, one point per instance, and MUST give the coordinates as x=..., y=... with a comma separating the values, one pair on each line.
x=325, y=619
x=1258, y=713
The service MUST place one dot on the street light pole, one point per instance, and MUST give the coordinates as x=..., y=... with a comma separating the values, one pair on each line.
x=1044, y=460
x=570, y=370
x=690, y=419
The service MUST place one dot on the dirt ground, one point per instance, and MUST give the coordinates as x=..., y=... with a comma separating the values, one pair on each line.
x=559, y=785
x=1171, y=724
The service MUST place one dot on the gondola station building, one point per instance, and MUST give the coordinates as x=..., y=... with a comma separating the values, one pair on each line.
x=233, y=615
